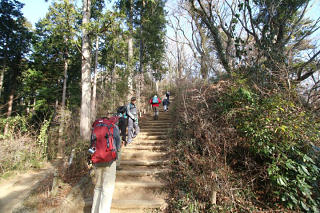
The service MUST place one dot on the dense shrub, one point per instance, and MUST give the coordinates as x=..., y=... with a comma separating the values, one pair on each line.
x=258, y=152
x=13, y=126
x=284, y=136
x=19, y=145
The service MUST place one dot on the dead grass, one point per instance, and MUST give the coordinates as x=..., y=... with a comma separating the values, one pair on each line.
x=207, y=156
x=19, y=153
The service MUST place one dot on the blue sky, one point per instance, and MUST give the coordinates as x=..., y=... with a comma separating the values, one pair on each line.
x=33, y=10
x=36, y=9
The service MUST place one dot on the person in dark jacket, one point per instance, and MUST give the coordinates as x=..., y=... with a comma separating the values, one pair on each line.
x=165, y=103
x=168, y=95
x=123, y=122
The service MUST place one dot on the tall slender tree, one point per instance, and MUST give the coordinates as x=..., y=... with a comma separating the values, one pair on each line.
x=94, y=86
x=85, y=72
x=130, y=47
x=15, y=43
x=55, y=35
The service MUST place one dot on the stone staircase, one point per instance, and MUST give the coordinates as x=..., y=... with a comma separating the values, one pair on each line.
x=138, y=183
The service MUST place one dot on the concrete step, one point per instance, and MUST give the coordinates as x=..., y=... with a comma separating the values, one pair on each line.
x=126, y=211
x=152, y=133
x=135, y=148
x=132, y=206
x=136, y=172
x=142, y=174
x=143, y=162
x=149, y=142
x=151, y=137
x=156, y=126
x=138, y=193
x=161, y=118
x=138, y=184
x=142, y=155
x=134, y=189
x=137, y=204
x=159, y=121
x=154, y=129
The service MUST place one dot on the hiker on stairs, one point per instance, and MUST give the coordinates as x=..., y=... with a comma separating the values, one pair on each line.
x=155, y=101
x=168, y=95
x=133, y=127
x=122, y=124
x=165, y=103
x=105, y=145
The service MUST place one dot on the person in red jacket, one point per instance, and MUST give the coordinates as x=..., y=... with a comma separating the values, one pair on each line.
x=155, y=102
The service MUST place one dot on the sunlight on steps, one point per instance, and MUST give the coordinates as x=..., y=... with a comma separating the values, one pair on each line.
x=139, y=187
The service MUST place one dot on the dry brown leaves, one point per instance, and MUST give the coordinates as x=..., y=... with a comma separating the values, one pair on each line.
x=204, y=153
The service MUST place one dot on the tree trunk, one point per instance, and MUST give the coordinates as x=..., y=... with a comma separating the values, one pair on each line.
x=9, y=112
x=130, y=52
x=28, y=107
x=64, y=90
x=179, y=68
x=204, y=67
x=85, y=74
x=1, y=78
x=103, y=84
x=10, y=103
x=94, y=87
x=157, y=86
x=61, y=141
x=139, y=83
x=113, y=84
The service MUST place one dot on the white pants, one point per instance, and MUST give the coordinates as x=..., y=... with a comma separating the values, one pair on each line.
x=105, y=180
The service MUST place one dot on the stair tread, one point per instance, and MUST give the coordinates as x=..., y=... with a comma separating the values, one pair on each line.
x=143, y=162
x=140, y=172
x=138, y=183
x=150, y=141
x=133, y=204
x=153, y=132
x=137, y=204
x=152, y=136
x=144, y=148
x=131, y=154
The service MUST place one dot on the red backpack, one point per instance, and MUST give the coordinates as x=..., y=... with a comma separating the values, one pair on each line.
x=102, y=140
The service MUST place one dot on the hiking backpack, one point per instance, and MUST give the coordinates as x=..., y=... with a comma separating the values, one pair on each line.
x=122, y=111
x=155, y=100
x=102, y=140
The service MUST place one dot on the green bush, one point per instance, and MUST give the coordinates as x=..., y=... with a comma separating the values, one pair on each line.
x=16, y=125
x=20, y=146
x=284, y=137
x=43, y=137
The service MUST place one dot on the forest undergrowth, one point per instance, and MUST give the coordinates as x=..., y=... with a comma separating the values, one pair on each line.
x=21, y=148
x=234, y=149
x=26, y=144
